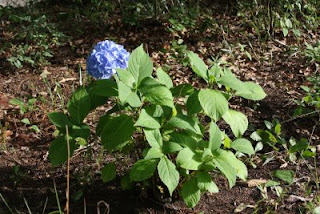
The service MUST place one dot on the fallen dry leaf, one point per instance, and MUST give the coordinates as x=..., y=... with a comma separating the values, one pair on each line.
x=295, y=198
x=256, y=182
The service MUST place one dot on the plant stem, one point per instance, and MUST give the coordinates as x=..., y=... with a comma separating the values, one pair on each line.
x=68, y=171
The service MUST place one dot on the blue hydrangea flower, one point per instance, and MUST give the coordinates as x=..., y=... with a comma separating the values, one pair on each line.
x=105, y=58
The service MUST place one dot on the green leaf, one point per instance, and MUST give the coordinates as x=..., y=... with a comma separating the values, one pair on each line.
x=230, y=166
x=251, y=91
x=156, y=93
x=213, y=103
x=79, y=105
x=226, y=168
x=237, y=121
x=193, y=105
x=108, y=172
x=116, y=132
x=58, y=151
x=143, y=169
x=126, y=77
x=152, y=153
x=187, y=159
x=102, y=121
x=26, y=121
x=59, y=119
x=277, y=129
x=230, y=80
x=308, y=154
x=103, y=88
x=139, y=65
x=155, y=110
x=164, y=78
x=215, y=137
x=243, y=145
x=248, y=90
x=186, y=123
x=268, y=124
x=171, y=147
x=285, y=175
x=146, y=121
x=184, y=140
x=16, y=102
x=35, y=128
x=168, y=174
x=127, y=96
x=190, y=192
x=80, y=131
x=266, y=136
x=153, y=137
x=205, y=183
x=299, y=146
x=182, y=90
x=198, y=66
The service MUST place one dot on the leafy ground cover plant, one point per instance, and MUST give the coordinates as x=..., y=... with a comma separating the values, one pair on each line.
x=172, y=131
x=310, y=103
x=312, y=52
x=273, y=138
x=33, y=37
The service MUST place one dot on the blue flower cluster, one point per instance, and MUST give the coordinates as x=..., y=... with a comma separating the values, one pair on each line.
x=105, y=58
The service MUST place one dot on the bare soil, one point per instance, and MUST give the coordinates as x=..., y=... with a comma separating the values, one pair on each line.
x=280, y=75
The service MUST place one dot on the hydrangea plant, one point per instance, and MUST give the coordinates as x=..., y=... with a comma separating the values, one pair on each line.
x=182, y=151
x=105, y=58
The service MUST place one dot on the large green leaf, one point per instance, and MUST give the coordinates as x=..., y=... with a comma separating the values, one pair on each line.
x=126, y=95
x=225, y=167
x=193, y=105
x=79, y=105
x=59, y=119
x=143, y=169
x=156, y=93
x=230, y=80
x=103, y=88
x=301, y=145
x=168, y=174
x=285, y=175
x=187, y=159
x=164, y=78
x=248, y=90
x=140, y=65
x=198, y=66
x=153, y=152
x=126, y=77
x=184, y=139
x=230, y=166
x=190, y=192
x=146, y=121
x=153, y=137
x=243, y=145
x=58, y=151
x=108, y=172
x=117, y=131
x=237, y=121
x=186, y=123
x=171, y=147
x=182, y=90
x=251, y=91
x=205, y=183
x=215, y=137
x=82, y=131
x=213, y=103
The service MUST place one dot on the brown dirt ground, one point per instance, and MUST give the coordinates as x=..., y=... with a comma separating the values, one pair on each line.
x=280, y=78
